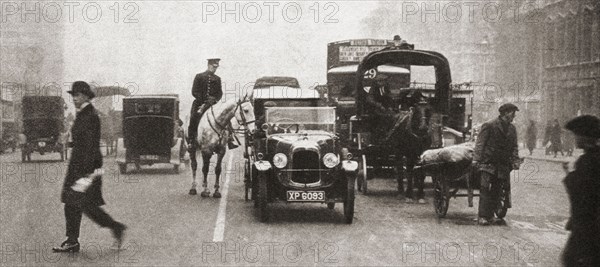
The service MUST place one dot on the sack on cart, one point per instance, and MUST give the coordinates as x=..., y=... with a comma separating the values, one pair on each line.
x=455, y=153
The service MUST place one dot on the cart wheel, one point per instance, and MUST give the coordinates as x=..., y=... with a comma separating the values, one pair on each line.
x=331, y=205
x=262, y=197
x=441, y=195
x=502, y=206
x=176, y=168
x=362, y=179
x=123, y=168
x=349, y=202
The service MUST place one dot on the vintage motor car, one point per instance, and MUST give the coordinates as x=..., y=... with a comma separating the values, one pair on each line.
x=296, y=155
x=149, y=131
x=43, y=126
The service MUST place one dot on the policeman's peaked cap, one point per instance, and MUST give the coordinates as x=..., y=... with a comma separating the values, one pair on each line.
x=213, y=60
x=83, y=88
x=508, y=107
x=586, y=125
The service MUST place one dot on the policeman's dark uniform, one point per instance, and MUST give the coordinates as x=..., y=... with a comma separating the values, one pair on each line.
x=583, y=187
x=496, y=151
x=206, y=91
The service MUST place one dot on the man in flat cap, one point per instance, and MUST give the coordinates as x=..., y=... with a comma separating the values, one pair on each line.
x=583, y=187
x=82, y=188
x=206, y=91
x=495, y=155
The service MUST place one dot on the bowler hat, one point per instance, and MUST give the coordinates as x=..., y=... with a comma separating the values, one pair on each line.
x=586, y=125
x=82, y=88
x=508, y=107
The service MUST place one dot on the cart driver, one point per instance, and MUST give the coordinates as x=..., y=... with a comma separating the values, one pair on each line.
x=207, y=92
x=380, y=104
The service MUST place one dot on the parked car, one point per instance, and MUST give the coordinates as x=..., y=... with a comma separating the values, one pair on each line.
x=296, y=155
x=149, y=131
x=43, y=126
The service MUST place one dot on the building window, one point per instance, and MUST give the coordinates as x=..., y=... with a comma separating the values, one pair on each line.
x=550, y=45
x=586, y=36
x=560, y=42
x=571, y=40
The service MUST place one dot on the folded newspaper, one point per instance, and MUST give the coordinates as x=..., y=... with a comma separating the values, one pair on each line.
x=82, y=184
x=455, y=153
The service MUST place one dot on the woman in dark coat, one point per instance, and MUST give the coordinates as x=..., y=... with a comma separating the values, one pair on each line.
x=82, y=192
x=583, y=188
x=531, y=136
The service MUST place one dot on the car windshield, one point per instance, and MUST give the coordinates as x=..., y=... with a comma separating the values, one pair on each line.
x=306, y=118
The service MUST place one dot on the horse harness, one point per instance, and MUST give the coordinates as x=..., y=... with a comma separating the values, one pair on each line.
x=228, y=126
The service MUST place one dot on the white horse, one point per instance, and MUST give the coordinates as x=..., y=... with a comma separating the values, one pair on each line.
x=213, y=132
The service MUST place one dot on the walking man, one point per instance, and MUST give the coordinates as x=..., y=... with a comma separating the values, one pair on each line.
x=206, y=91
x=82, y=188
x=496, y=153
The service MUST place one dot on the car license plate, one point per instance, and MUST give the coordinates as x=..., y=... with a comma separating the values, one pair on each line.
x=149, y=157
x=306, y=195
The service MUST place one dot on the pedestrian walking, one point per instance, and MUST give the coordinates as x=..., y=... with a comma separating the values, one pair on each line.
x=82, y=187
x=531, y=136
x=496, y=153
x=556, y=139
x=583, y=187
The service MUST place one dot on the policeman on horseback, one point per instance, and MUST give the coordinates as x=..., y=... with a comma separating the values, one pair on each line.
x=206, y=91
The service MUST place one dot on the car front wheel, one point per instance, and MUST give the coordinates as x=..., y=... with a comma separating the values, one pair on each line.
x=262, y=197
x=349, y=202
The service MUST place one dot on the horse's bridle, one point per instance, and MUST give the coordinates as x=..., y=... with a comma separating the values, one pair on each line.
x=244, y=122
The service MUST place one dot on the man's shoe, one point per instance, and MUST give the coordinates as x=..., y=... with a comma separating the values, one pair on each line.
x=483, y=221
x=67, y=247
x=498, y=221
x=118, y=233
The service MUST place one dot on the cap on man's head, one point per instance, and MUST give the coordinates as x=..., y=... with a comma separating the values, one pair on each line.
x=397, y=38
x=213, y=61
x=81, y=87
x=508, y=107
x=586, y=125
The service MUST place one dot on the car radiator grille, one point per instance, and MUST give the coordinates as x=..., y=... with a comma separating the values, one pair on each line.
x=308, y=163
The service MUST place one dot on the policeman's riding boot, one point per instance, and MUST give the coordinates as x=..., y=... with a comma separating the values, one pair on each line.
x=231, y=143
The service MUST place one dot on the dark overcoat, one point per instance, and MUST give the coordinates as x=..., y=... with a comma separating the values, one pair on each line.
x=497, y=144
x=583, y=188
x=85, y=158
x=206, y=84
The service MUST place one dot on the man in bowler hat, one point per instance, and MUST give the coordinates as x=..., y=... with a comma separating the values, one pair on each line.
x=583, y=187
x=206, y=91
x=495, y=155
x=82, y=187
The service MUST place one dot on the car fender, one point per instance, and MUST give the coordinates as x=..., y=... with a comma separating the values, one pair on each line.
x=262, y=165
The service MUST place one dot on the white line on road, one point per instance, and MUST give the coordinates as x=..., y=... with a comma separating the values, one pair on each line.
x=220, y=224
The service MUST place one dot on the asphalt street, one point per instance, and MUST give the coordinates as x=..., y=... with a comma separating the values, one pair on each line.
x=167, y=226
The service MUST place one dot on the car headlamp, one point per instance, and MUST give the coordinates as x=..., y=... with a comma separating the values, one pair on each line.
x=330, y=160
x=279, y=160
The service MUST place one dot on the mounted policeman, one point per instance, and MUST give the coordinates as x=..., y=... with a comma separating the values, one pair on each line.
x=206, y=91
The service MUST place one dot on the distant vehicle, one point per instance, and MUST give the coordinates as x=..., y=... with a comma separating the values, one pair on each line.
x=43, y=126
x=296, y=156
x=149, y=131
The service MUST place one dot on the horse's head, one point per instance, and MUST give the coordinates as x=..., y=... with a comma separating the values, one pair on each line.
x=245, y=114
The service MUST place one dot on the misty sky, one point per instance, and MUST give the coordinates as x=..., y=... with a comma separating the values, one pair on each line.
x=170, y=43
